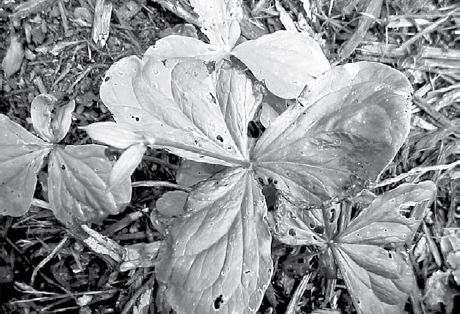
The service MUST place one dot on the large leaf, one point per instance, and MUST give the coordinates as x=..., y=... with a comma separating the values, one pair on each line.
x=21, y=158
x=218, y=256
x=176, y=47
x=349, y=126
x=381, y=223
x=77, y=184
x=285, y=60
x=220, y=21
x=51, y=121
x=193, y=124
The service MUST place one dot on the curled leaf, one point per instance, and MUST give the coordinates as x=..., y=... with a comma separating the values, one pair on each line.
x=349, y=126
x=50, y=121
x=21, y=158
x=285, y=60
x=218, y=256
x=77, y=182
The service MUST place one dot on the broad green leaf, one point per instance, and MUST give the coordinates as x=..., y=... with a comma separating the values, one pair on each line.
x=50, y=121
x=77, y=184
x=174, y=124
x=220, y=21
x=285, y=60
x=192, y=172
x=381, y=223
x=218, y=255
x=379, y=281
x=21, y=158
x=175, y=46
x=349, y=126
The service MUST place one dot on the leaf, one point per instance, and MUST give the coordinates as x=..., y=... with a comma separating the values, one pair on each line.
x=379, y=281
x=220, y=21
x=285, y=60
x=171, y=204
x=113, y=134
x=218, y=256
x=175, y=46
x=126, y=164
x=381, y=223
x=77, y=183
x=348, y=127
x=13, y=58
x=21, y=158
x=175, y=124
x=293, y=225
x=50, y=121
x=238, y=104
x=192, y=172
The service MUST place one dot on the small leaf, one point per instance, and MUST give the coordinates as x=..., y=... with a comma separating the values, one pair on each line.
x=285, y=60
x=218, y=256
x=379, y=286
x=381, y=223
x=220, y=21
x=77, y=183
x=175, y=46
x=171, y=204
x=13, y=58
x=296, y=226
x=126, y=164
x=349, y=126
x=192, y=172
x=21, y=158
x=50, y=121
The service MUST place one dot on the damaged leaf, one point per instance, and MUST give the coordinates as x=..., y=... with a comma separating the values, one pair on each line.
x=378, y=277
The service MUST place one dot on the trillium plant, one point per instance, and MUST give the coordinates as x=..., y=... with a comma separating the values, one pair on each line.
x=196, y=100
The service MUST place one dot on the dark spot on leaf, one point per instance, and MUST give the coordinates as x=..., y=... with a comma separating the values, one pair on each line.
x=319, y=229
x=63, y=167
x=247, y=271
x=292, y=232
x=218, y=302
x=106, y=79
x=210, y=66
x=219, y=138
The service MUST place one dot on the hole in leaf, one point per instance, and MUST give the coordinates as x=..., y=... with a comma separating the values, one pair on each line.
x=106, y=79
x=63, y=167
x=218, y=302
x=319, y=229
x=219, y=138
x=292, y=232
